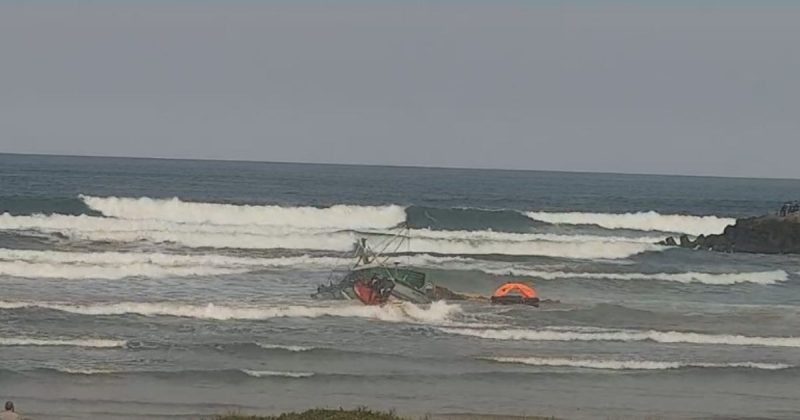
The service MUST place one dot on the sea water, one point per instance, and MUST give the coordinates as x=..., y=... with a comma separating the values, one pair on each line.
x=137, y=288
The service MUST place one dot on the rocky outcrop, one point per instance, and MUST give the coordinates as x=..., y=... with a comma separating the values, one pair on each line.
x=763, y=235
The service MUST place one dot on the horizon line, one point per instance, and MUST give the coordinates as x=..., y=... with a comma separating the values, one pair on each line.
x=410, y=166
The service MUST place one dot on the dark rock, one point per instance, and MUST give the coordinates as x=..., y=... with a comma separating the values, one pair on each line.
x=762, y=235
x=669, y=242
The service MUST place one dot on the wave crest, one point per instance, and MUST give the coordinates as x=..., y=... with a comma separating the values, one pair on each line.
x=62, y=342
x=176, y=210
x=646, y=221
x=438, y=312
x=117, y=265
x=293, y=349
x=632, y=364
x=763, y=277
x=268, y=373
x=553, y=334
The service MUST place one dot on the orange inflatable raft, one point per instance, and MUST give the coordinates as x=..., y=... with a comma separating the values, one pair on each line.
x=515, y=294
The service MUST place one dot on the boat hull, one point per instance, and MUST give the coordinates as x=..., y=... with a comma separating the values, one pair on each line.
x=370, y=294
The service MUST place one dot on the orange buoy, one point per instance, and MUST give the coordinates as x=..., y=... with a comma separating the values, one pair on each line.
x=515, y=294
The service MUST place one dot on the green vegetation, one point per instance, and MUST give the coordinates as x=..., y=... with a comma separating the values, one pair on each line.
x=320, y=414
x=366, y=414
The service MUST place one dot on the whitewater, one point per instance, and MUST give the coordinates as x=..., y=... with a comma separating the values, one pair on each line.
x=626, y=335
x=632, y=364
x=119, y=265
x=186, y=286
x=437, y=313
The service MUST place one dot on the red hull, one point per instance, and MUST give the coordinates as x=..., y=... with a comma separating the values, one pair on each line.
x=368, y=295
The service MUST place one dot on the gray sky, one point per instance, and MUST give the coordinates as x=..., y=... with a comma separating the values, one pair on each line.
x=620, y=86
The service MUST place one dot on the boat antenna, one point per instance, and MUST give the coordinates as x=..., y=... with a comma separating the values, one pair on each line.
x=408, y=243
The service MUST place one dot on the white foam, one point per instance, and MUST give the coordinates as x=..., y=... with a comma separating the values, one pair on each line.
x=85, y=223
x=632, y=364
x=646, y=221
x=625, y=335
x=116, y=265
x=268, y=373
x=762, y=277
x=481, y=235
x=437, y=312
x=578, y=250
x=332, y=241
x=85, y=371
x=166, y=260
x=206, y=235
x=175, y=210
x=86, y=342
x=294, y=349
x=343, y=241
x=105, y=228
x=65, y=271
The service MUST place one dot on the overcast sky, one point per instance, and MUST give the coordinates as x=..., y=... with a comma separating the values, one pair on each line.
x=679, y=87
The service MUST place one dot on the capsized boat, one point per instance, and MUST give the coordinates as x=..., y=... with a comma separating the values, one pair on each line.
x=515, y=294
x=375, y=278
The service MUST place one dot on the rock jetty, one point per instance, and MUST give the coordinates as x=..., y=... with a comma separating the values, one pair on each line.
x=762, y=235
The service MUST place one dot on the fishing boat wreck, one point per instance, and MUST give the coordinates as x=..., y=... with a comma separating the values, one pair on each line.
x=378, y=276
x=375, y=278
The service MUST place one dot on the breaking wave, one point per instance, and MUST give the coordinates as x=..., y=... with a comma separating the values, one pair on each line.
x=436, y=313
x=117, y=265
x=110, y=371
x=342, y=242
x=624, y=335
x=632, y=364
x=85, y=371
x=267, y=373
x=64, y=342
x=65, y=271
x=175, y=210
x=646, y=221
x=525, y=237
x=294, y=349
x=105, y=228
x=762, y=277
x=579, y=250
x=161, y=259
x=464, y=243
x=288, y=237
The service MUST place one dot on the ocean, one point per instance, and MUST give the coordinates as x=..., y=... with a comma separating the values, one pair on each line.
x=143, y=288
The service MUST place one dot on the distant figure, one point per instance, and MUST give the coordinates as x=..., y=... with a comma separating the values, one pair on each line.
x=9, y=413
x=789, y=208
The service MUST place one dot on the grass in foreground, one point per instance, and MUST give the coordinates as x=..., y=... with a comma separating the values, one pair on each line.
x=320, y=414
x=366, y=414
